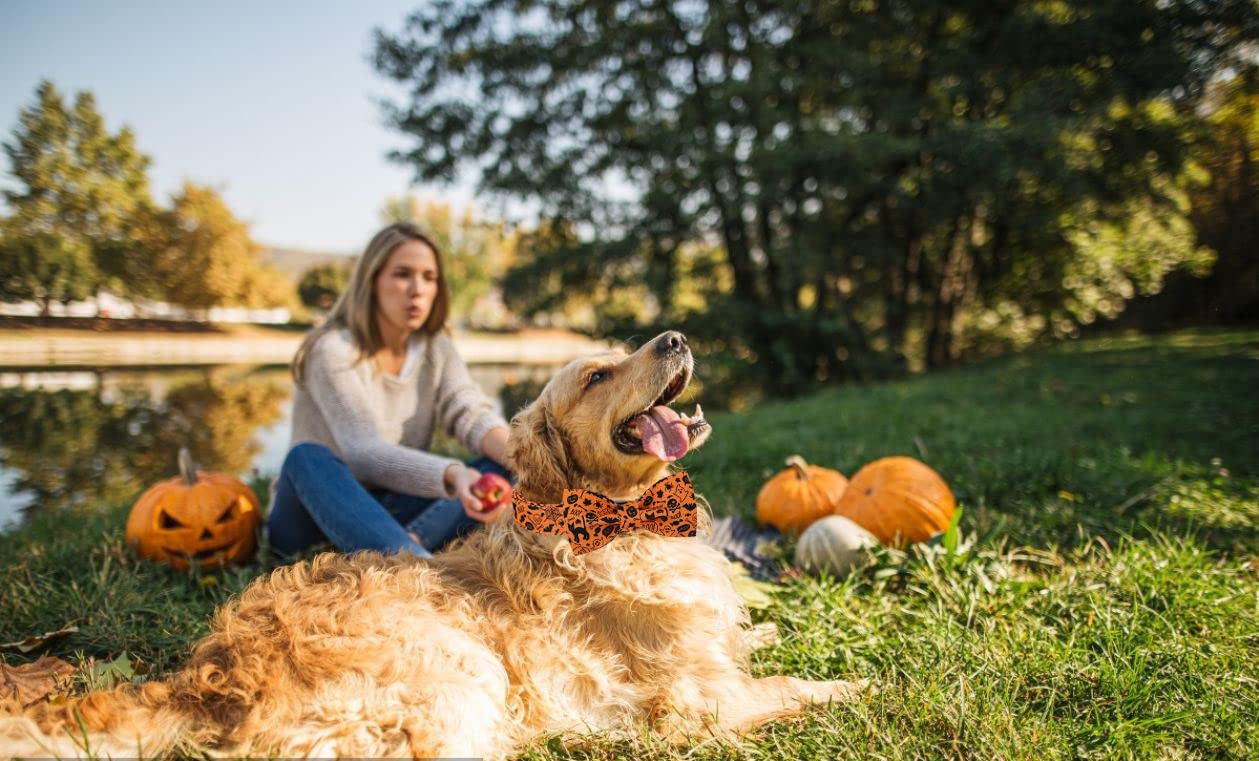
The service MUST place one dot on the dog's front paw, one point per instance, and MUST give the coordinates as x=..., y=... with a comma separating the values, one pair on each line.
x=838, y=691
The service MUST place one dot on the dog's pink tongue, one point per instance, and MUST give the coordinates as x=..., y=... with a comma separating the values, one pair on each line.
x=663, y=433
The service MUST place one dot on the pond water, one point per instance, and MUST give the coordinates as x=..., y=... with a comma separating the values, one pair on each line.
x=92, y=437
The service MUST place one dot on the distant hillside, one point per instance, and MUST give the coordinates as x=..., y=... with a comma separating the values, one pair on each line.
x=294, y=262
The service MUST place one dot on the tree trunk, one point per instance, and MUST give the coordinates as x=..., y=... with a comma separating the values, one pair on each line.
x=895, y=296
x=952, y=284
x=733, y=232
x=778, y=296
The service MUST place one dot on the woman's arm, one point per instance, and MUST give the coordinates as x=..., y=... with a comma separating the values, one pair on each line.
x=494, y=444
x=463, y=409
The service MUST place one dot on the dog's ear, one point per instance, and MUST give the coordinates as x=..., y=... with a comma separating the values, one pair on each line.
x=538, y=453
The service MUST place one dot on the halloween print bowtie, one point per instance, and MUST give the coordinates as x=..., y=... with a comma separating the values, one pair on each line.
x=590, y=520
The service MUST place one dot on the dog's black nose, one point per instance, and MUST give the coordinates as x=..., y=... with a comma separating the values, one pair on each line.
x=672, y=342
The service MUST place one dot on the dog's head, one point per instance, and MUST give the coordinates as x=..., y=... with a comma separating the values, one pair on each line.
x=603, y=423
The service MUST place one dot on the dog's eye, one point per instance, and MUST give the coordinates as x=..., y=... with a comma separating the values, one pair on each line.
x=596, y=376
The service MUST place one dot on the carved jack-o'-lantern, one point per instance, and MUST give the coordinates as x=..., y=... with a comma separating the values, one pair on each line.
x=209, y=518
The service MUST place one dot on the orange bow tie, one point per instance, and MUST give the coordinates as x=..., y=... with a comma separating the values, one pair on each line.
x=590, y=520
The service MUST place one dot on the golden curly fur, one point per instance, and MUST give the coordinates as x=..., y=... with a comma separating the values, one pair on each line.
x=505, y=638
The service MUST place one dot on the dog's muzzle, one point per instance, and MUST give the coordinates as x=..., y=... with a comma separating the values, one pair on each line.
x=671, y=342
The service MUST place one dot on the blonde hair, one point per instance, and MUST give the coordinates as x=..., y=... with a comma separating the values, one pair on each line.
x=355, y=308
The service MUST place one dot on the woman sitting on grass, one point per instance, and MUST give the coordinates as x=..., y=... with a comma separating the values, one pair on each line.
x=373, y=381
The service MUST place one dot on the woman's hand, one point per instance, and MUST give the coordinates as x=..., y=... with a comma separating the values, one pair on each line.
x=459, y=479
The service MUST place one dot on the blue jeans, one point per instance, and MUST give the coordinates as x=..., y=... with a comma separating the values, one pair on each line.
x=317, y=499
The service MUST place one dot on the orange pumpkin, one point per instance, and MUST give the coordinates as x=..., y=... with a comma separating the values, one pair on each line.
x=209, y=518
x=899, y=500
x=799, y=495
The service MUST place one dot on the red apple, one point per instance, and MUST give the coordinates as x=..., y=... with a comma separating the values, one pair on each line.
x=493, y=490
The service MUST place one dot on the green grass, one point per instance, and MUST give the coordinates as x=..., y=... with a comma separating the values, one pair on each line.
x=1107, y=608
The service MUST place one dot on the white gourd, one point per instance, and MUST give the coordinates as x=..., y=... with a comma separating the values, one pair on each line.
x=834, y=544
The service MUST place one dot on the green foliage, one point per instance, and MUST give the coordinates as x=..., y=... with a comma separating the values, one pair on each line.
x=71, y=214
x=614, y=293
x=321, y=285
x=1221, y=185
x=205, y=254
x=871, y=173
x=200, y=255
x=1113, y=262
x=43, y=266
x=1225, y=209
x=1116, y=261
x=266, y=287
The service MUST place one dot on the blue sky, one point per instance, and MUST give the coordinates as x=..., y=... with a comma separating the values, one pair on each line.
x=273, y=103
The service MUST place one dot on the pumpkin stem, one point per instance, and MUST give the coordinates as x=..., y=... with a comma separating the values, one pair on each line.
x=187, y=468
x=797, y=462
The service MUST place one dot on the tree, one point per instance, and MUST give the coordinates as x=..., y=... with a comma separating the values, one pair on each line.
x=1222, y=214
x=43, y=266
x=78, y=191
x=204, y=255
x=322, y=284
x=872, y=172
x=1225, y=207
x=617, y=298
x=265, y=287
x=1113, y=262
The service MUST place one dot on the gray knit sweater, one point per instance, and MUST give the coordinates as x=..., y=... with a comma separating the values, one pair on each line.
x=380, y=424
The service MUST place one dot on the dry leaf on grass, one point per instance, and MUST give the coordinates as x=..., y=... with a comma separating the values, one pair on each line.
x=28, y=644
x=31, y=682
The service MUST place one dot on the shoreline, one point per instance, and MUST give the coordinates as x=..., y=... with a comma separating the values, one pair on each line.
x=254, y=345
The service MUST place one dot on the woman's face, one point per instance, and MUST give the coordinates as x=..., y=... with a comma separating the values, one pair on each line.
x=406, y=287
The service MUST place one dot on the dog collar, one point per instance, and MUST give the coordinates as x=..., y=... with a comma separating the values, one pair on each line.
x=590, y=520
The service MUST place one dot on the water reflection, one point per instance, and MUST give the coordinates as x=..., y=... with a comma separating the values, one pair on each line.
x=92, y=438
x=68, y=444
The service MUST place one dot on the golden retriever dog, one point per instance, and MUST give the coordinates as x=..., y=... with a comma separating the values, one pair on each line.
x=506, y=638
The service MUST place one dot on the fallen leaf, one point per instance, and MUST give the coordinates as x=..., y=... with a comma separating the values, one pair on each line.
x=755, y=594
x=32, y=682
x=107, y=674
x=34, y=641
